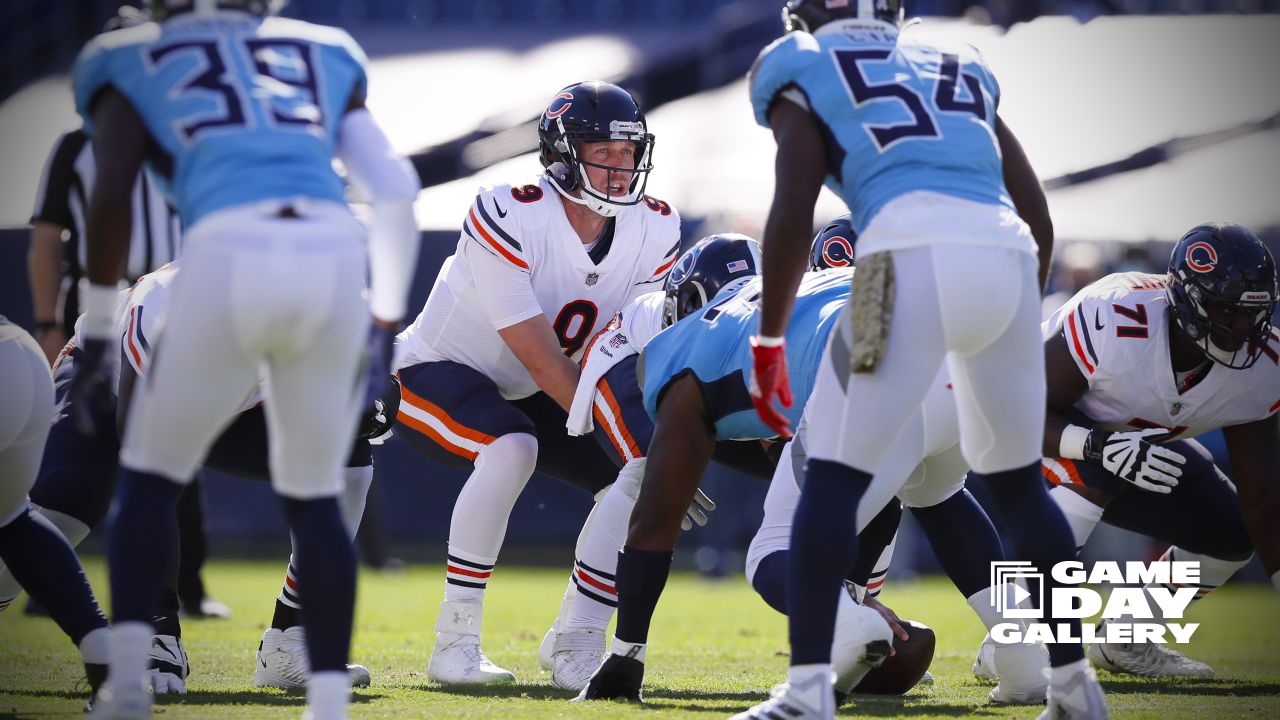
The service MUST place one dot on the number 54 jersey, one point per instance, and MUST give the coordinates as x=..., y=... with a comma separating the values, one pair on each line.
x=1117, y=332
x=240, y=108
x=899, y=114
x=518, y=258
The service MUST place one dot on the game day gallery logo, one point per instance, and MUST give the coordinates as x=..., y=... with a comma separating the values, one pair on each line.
x=1131, y=614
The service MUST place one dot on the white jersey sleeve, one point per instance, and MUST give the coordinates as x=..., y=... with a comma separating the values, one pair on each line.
x=627, y=334
x=142, y=317
x=508, y=296
x=1102, y=321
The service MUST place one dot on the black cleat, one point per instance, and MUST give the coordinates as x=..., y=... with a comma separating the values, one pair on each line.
x=619, y=678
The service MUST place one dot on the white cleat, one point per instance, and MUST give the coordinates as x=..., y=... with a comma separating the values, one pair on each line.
x=169, y=665
x=1079, y=698
x=574, y=656
x=815, y=702
x=121, y=703
x=1145, y=660
x=861, y=643
x=1019, y=668
x=457, y=659
x=282, y=661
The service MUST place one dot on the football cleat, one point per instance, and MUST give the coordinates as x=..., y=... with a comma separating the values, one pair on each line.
x=207, y=608
x=1019, y=668
x=574, y=656
x=1145, y=660
x=282, y=661
x=815, y=702
x=1079, y=698
x=458, y=660
x=169, y=665
x=618, y=678
x=121, y=702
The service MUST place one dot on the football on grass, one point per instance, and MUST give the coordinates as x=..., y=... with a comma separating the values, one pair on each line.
x=902, y=670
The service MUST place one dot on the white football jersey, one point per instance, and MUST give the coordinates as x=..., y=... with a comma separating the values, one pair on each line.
x=1117, y=331
x=518, y=258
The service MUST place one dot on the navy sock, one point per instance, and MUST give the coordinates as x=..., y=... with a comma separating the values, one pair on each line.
x=641, y=576
x=143, y=536
x=873, y=540
x=326, y=567
x=963, y=539
x=44, y=564
x=770, y=580
x=1042, y=536
x=285, y=617
x=823, y=548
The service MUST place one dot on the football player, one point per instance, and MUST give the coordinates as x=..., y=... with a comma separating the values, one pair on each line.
x=31, y=548
x=694, y=386
x=76, y=482
x=243, y=115
x=489, y=367
x=1139, y=364
x=950, y=220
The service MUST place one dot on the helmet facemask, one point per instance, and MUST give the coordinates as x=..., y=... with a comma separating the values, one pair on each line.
x=567, y=147
x=1239, y=349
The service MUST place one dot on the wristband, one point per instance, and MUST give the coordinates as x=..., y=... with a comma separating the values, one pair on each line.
x=99, y=302
x=1072, y=443
x=767, y=341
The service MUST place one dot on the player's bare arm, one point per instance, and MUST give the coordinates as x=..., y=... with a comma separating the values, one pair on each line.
x=43, y=270
x=799, y=168
x=1027, y=195
x=535, y=345
x=1254, y=449
x=118, y=149
x=682, y=445
x=1066, y=384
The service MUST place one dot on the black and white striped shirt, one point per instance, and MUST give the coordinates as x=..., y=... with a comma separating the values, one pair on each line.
x=63, y=200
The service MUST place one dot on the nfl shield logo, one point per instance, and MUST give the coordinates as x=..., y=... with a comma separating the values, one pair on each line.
x=1177, y=408
x=593, y=278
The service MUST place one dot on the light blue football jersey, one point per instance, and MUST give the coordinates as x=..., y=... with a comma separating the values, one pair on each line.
x=899, y=114
x=712, y=344
x=239, y=108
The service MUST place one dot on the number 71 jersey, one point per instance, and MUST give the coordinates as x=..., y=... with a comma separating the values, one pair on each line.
x=898, y=114
x=240, y=108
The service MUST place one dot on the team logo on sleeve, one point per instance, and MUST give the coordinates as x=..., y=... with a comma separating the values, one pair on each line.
x=1201, y=257
x=837, y=251
x=560, y=104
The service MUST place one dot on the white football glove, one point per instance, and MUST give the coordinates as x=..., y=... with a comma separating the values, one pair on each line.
x=169, y=665
x=697, y=512
x=1131, y=457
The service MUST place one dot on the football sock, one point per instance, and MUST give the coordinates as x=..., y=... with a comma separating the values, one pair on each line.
x=823, y=547
x=1042, y=536
x=963, y=539
x=466, y=575
x=642, y=574
x=43, y=562
x=326, y=566
x=596, y=561
x=143, y=537
x=288, y=611
x=327, y=693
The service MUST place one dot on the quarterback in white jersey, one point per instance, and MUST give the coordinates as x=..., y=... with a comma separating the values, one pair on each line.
x=489, y=367
x=1139, y=364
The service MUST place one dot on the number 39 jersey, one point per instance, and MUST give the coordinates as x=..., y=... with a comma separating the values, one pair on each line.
x=518, y=258
x=899, y=114
x=240, y=108
x=1117, y=331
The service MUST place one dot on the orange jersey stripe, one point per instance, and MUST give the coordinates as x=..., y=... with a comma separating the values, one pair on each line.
x=435, y=411
x=133, y=349
x=1075, y=339
x=475, y=222
x=612, y=402
x=430, y=432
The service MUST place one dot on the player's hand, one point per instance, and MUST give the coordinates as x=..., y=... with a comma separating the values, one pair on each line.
x=769, y=378
x=89, y=391
x=698, y=512
x=378, y=381
x=891, y=617
x=618, y=678
x=1134, y=457
x=379, y=417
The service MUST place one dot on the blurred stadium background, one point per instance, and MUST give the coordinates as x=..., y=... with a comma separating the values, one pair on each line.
x=1145, y=117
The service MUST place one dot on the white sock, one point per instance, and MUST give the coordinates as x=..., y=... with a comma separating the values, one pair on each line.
x=1082, y=515
x=801, y=684
x=355, y=489
x=327, y=694
x=129, y=653
x=602, y=538
x=95, y=647
x=1061, y=674
x=626, y=649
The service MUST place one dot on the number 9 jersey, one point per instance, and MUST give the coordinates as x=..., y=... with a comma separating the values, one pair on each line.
x=899, y=114
x=518, y=258
x=240, y=108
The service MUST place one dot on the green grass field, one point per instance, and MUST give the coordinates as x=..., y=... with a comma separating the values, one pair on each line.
x=715, y=650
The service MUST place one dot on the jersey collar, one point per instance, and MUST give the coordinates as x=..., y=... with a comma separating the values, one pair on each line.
x=854, y=24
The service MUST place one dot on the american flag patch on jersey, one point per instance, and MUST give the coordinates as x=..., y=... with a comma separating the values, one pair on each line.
x=736, y=266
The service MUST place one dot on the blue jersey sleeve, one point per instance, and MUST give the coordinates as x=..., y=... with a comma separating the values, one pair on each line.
x=344, y=61
x=101, y=64
x=777, y=67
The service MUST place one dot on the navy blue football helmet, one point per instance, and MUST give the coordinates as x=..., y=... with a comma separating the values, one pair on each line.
x=593, y=112
x=1222, y=288
x=833, y=245
x=713, y=263
x=809, y=15
x=163, y=9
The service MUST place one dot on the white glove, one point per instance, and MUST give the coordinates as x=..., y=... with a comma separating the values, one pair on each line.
x=697, y=512
x=169, y=665
x=1131, y=457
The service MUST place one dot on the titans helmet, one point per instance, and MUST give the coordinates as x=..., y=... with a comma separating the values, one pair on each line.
x=809, y=15
x=712, y=264
x=833, y=245
x=593, y=112
x=1222, y=288
x=161, y=10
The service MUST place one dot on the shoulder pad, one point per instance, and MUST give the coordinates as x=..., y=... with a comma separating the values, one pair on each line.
x=95, y=66
x=776, y=67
